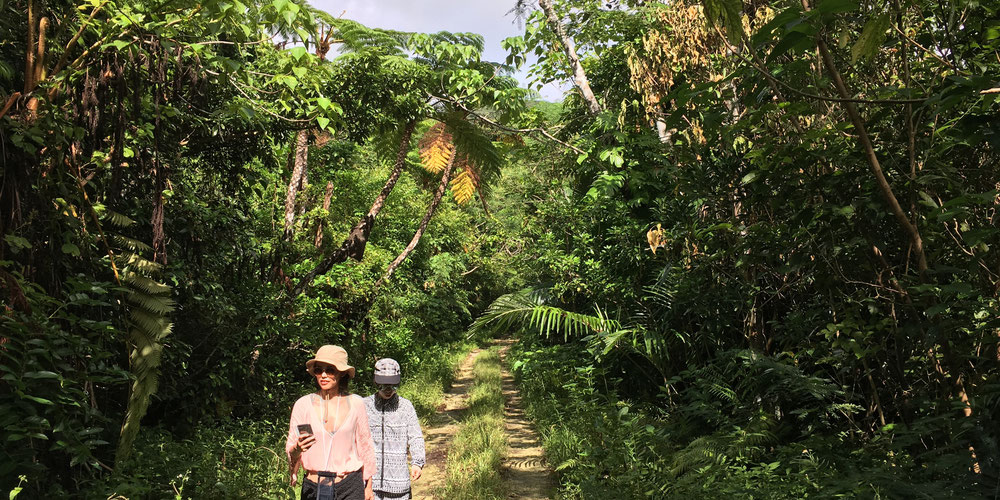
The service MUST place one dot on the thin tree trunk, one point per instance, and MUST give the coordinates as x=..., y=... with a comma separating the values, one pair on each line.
x=159, y=236
x=579, y=75
x=29, y=57
x=301, y=159
x=442, y=187
x=866, y=144
x=354, y=246
x=327, y=198
x=39, y=69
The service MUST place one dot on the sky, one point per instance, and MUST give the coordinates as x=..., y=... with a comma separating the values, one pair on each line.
x=488, y=18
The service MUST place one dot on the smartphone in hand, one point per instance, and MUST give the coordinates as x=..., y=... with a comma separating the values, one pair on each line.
x=305, y=429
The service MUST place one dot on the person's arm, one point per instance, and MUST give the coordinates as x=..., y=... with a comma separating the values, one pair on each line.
x=295, y=443
x=292, y=450
x=366, y=449
x=415, y=437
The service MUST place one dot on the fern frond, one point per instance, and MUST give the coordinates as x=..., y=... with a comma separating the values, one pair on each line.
x=144, y=283
x=463, y=186
x=526, y=310
x=132, y=245
x=118, y=220
x=152, y=303
x=149, y=305
x=436, y=148
x=478, y=147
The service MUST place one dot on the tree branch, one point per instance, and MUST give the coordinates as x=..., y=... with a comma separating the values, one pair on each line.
x=492, y=123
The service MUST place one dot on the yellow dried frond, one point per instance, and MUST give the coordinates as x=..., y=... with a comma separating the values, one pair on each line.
x=463, y=186
x=656, y=238
x=681, y=43
x=436, y=148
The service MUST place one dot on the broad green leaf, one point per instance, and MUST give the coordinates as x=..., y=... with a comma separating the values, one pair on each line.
x=871, y=38
x=297, y=52
x=17, y=242
x=71, y=249
x=836, y=6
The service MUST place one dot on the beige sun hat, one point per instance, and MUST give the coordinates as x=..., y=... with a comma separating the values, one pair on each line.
x=332, y=355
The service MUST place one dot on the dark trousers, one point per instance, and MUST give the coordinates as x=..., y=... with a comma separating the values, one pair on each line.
x=351, y=487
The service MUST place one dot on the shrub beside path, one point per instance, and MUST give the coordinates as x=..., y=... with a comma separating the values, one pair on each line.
x=524, y=470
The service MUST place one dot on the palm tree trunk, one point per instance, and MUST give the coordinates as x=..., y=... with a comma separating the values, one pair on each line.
x=354, y=245
x=442, y=187
x=579, y=75
x=301, y=159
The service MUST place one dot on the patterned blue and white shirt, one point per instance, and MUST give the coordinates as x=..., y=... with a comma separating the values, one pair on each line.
x=395, y=428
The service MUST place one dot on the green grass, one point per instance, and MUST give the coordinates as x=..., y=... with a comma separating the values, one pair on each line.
x=426, y=388
x=480, y=444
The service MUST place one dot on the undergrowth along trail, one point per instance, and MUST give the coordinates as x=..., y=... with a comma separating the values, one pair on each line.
x=480, y=444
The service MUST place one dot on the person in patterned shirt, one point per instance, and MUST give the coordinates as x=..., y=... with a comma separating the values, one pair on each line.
x=395, y=430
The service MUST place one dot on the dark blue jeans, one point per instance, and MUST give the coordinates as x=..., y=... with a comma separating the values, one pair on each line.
x=351, y=487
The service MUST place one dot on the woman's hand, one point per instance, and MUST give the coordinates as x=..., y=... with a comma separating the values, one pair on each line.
x=305, y=442
x=294, y=479
x=369, y=494
x=414, y=473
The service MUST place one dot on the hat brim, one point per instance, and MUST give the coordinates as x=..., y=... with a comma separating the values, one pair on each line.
x=339, y=366
x=387, y=379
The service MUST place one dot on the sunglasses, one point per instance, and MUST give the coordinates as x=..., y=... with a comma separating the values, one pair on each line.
x=318, y=370
x=386, y=387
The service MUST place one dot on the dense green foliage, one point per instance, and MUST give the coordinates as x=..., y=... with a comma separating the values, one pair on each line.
x=746, y=312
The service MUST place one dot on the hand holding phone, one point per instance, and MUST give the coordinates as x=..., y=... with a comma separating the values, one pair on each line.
x=306, y=438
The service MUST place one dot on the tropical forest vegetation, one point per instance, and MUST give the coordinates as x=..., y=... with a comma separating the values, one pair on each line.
x=752, y=252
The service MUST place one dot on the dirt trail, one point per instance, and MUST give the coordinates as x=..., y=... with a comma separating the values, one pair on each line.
x=442, y=427
x=525, y=470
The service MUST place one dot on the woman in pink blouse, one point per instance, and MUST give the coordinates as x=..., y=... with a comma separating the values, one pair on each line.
x=328, y=434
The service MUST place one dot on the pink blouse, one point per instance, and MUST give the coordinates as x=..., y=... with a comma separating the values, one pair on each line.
x=346, y=449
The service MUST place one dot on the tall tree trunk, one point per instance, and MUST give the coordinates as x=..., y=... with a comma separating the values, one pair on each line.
x=354, y=246
x=327, y=198
x=442, y=187
x=301, y=159
x=579, y=75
